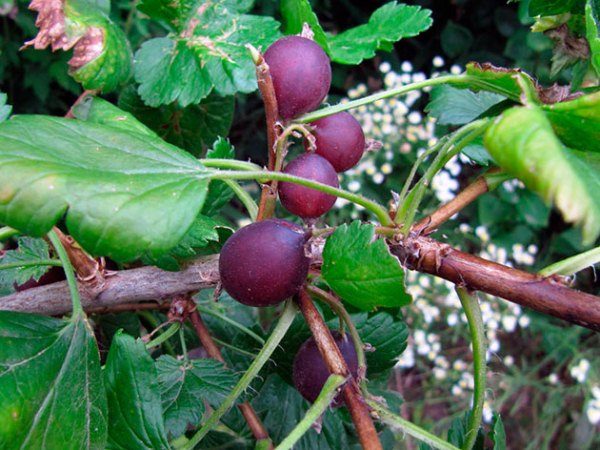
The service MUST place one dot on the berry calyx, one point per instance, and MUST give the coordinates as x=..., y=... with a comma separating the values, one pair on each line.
x=304, y=201
x=263, y=264
x=310, y=372
x=339, y=139
x=301, y=74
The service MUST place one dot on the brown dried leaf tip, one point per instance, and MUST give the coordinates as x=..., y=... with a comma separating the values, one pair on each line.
x=87, y=42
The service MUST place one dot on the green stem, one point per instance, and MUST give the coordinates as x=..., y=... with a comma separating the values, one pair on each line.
x=186, y=359
x=395, y=421
x=69, y=273
x=263, y=176
x=573, y=264
x=173, y=328
x=233, y=348
x=224, y=318
x=263, y=356
x=230, y=164
x=155, y=323
x=326, y=396
x=473, y=312
x=40, y=262
x=7, y=232
x=244, y=197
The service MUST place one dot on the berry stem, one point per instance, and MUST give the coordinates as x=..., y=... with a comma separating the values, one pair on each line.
x=244, y=197
x=163, y=337
x=317, y=409
x=456, y=80
x=470, y=305
x=231, y=322
x=573, y=264
x=367, y=434
x=263, y=356
x=69, y=274
x=263, y=176
x=7, y=232
x=39, y=262
x=395, y=421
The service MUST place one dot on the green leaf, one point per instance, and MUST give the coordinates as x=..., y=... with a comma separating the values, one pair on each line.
x=134, y=406
x=523, y=143
x=577, y=122
x=219, y=194
x=512, y=83
x=552, y=7
x=124, y=193
x=298, y=12
x=282, y=407
x=29, y=250
x=101, y=53
x=51, y=391
x=200, y=234
x=206, y=51
x=456, y=39
x=497, y=433
x=5, y=109
x=592, y=33
x=185, y=386
x=387, y=24
x=193, y=128
x=452, y=106
x=457, y=434
x=362, y=271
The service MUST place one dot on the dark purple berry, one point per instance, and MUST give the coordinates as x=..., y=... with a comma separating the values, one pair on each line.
x=310, y=372
x=340, y=140
x=304, y=201
x=264, y=263
x=301, y=74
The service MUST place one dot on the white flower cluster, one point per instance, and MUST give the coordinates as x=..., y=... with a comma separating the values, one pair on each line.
x=580, y=370
x=592, y=410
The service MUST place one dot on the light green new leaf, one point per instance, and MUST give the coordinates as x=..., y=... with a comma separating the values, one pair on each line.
x=51, y=391
x=5, y=109
x=193, y=128
x=452, y=106
x=29, y=250
x=298, y=12
x=592, y=33
x=124, y=193
x=512, y=83
x=134, y=405
x=387, y=25
x=206, y=51
x=577, y=122
x=362, y=271
x=523, y=143
x=185, y=386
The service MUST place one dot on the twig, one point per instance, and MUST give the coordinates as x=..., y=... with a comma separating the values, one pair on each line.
x=256, y=426
x=427, y=255
x=465, y=197
x=367, y=434
x=473, y=312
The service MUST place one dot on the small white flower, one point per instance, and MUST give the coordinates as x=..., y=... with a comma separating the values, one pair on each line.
x=386, y=168
x=509, y=361
x=553, y=378
x=579, y=372
x=438, y=61
x=509, y=323
x=455, y=70
x=385, y=67
x=354, y=186
x=406, y=66
x=524, y=321
x=439, y=373
x=378, y=178
x=482, y=233
x=452, y=319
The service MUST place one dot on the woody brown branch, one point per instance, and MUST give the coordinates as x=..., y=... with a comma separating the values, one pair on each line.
x=419, y=253
x=361, y=416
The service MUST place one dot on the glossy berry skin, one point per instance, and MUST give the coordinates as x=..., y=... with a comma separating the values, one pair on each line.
x=310, y=372
x=304, y=201
x=301, y=74
x=264, y=263
x=340, y=140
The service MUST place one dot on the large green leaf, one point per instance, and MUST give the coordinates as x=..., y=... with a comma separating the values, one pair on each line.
x=298, y=12
x=51, y=392
x=553, y=7
x=362, y=271
x=5, y=109
x=186, y=386
x=388, y=24
x=592, y=27
x=29, y=250
x=453, y=106
x=577, y=122
x=205, y=51
x=512, y=83
x=134, y=405
x=523, y=143
x=193, y=128
x=124, y=193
